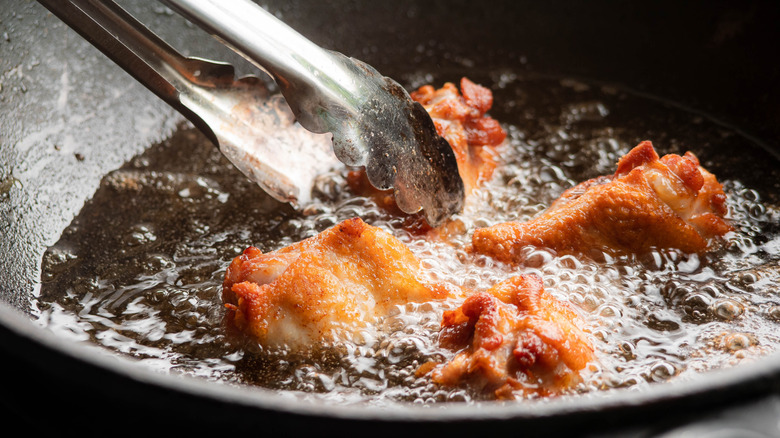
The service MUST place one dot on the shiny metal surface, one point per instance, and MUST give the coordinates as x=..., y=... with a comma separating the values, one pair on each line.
x=254, y=129
x=373, y=120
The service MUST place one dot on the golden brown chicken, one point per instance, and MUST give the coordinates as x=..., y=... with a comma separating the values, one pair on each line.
x=460, y=118
x=513, y=339
x=324, y=288
x=669, y=202
x=336, y=285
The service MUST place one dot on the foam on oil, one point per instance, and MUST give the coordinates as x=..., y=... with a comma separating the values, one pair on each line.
x=139, y=271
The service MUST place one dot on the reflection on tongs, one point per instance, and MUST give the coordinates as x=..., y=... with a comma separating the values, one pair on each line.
x=372, y=119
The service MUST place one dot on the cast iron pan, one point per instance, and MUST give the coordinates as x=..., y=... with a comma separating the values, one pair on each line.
x=69, y=116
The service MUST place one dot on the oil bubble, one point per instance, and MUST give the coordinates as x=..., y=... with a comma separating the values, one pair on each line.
x=737, y=341
x=727, y=309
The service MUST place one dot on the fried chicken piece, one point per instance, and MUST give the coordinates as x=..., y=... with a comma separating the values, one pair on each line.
x=514, y=338
x=324, y=288
x=334, y=285
x=669, y=202
x=461, y=120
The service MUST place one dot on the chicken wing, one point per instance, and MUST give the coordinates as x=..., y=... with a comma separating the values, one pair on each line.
x=460, y=118
x=669, y=202
x=514, y=338
x=324, y=288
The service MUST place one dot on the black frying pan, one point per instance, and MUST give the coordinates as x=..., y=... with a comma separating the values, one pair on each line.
x=69, y=116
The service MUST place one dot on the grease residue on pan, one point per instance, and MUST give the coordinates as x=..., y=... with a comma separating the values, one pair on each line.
x=139, y=270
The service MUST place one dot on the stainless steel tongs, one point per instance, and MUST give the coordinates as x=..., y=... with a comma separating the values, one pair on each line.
x=373, y=121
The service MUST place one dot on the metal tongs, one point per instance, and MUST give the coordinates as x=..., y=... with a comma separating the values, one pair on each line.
x=373, y=121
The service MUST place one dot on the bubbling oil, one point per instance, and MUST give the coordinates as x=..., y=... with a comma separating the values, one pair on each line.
x=139, y=270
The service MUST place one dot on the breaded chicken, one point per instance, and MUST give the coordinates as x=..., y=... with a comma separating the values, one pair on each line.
x=650, y=202
x=514, y=339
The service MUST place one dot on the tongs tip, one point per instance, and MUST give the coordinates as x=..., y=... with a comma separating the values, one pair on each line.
x=396, y=140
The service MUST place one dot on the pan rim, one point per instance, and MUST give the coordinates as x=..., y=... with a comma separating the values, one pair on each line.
x=753, y=379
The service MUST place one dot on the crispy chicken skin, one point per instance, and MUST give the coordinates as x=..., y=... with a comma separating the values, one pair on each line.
x=324, y=288
x=669, y=202
x=460, y=118
x=514, y=339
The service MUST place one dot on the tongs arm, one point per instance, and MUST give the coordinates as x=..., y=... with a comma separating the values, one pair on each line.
x=314, y=81
x=254, y=130
x=373, y=120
